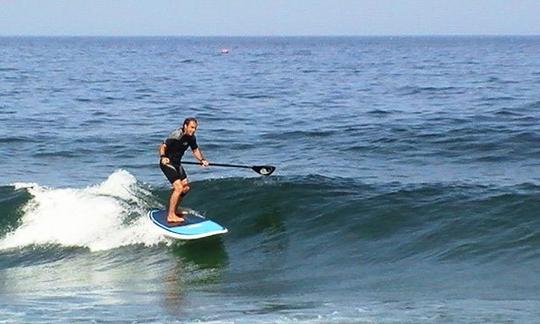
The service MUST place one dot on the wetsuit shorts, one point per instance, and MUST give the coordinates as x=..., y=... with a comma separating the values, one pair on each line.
x=173, y=172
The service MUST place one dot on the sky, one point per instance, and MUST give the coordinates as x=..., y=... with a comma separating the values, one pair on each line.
x=268, y=17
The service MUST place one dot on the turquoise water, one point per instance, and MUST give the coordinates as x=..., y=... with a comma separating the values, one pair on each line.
x=406, y=189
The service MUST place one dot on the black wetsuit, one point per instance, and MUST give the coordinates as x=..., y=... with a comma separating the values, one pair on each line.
x=177, y=143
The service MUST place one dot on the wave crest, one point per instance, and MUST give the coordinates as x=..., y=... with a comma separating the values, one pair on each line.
x=95, y=217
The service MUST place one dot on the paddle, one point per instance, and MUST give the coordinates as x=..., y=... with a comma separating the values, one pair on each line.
x=264, y=170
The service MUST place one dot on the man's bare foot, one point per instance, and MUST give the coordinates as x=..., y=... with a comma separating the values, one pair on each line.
x=174, y=219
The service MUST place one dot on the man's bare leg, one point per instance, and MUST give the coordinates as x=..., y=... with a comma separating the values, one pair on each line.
x=174, y=200
x=185, y=188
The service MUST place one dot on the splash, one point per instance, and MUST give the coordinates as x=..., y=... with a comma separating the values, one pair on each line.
x=96, y=217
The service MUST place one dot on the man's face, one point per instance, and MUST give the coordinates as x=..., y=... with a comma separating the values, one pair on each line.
x=191, y=128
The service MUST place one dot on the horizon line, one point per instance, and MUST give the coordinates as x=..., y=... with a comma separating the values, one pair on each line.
x=272, y=36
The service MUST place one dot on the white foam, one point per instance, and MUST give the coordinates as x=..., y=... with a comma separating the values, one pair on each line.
x=93, y=217
x=24, y=185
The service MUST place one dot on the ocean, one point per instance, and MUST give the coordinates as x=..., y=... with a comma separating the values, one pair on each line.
x=406, y=190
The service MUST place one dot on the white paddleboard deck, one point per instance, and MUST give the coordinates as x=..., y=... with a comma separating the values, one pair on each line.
x=193, y=227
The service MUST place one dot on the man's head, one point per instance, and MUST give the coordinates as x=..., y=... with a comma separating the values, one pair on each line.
x=190, y=126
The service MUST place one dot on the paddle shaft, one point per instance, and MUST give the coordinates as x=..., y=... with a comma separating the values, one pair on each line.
x=219, y=164
x=264, y=170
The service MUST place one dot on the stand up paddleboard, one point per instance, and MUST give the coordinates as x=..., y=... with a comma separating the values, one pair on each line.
x=193, y=227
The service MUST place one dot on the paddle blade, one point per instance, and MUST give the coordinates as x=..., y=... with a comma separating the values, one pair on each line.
x=264, y=170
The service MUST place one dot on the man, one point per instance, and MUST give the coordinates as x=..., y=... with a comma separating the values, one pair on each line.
x=171, y=152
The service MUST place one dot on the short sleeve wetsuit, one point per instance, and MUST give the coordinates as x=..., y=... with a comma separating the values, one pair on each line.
x=177, y=144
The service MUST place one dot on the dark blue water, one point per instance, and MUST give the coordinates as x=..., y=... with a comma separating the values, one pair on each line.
x=407, y=185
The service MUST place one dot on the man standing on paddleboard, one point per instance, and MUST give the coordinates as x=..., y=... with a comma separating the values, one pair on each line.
x=170, y=152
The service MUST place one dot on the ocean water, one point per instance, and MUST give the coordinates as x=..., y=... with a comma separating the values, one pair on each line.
x=407, y=187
